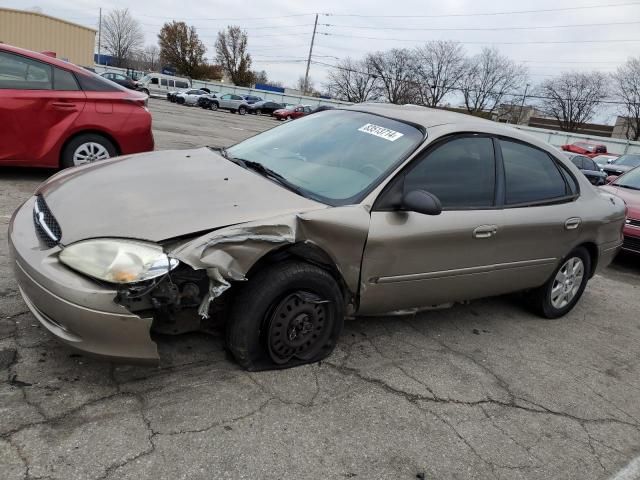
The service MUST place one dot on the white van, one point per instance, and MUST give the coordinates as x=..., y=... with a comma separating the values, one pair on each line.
x=160, y=84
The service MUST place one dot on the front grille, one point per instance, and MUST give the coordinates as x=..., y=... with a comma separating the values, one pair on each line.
x=46, y=224
x=631, y=243
x=634, y=222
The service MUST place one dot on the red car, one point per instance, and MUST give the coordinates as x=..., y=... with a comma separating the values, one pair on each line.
x=588, y=149
x=292, y=112
x=56, y=114
x=627, y=187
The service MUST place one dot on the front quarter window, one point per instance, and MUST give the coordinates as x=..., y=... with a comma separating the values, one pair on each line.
x=335, y=156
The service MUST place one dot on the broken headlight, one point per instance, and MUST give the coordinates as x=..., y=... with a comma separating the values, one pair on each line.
x=117, y=260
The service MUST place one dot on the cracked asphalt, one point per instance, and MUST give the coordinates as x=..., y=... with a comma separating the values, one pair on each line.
x=479, y=391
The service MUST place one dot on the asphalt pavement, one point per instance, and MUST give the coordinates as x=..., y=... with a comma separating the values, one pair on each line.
x=479, y=391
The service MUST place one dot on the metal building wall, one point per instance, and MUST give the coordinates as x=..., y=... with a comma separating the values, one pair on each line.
x=39, y=32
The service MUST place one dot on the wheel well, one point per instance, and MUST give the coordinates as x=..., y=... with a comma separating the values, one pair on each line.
x=592, y=248
x=85, y=132
x=308, y=253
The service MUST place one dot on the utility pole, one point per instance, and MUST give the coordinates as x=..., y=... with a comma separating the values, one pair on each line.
x=524, y=97
x=99, y=35
x=306, y=75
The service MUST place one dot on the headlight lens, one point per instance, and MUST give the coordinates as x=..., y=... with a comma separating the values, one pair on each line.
x=118, y=261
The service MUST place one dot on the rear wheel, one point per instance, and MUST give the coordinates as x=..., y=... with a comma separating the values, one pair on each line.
x=288, y=314
x=87, y=148
x=180, y=100
x=214, y=106
x=289, y=117
x=242, y=110
x=565, y=287
x=259, y=111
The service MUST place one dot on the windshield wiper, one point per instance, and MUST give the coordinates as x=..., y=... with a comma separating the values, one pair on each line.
x=267, y=172
x=627, y=186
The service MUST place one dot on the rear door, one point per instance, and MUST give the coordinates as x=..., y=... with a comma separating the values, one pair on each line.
x=38, y=104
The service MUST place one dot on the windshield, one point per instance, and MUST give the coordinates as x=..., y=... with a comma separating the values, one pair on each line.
x=335, y=156
x=630, y=180
x=628, y=160
x=601, y=160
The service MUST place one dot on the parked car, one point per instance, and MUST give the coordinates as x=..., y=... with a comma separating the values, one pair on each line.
x=56, y=114
x=264, y=106
x=605, y=159
x=365, y=209
x=121, y=80
x=589, y=168
x=292, y=113
x=190, y=97
x=232, y=102
x=160, y=84
x=589, y=149
x=205, y=100
x=627, y=187
x=251, y=99
x=622, y=164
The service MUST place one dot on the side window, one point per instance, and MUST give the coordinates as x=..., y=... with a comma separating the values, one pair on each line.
x=237, y=97
x=154, y=81
x=577, y=161
x=181, y=84
x=531, y=175
x=461, y=173
x=170, y=82
x=590, y=165
x=64, y=80
x=163, y=82
x=226, y=97
x=95, y=83
x=21, y=73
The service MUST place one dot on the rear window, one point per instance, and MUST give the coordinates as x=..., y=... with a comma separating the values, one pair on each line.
x=90, y=82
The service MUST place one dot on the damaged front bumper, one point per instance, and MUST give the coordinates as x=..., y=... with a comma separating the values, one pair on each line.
x=78, y=311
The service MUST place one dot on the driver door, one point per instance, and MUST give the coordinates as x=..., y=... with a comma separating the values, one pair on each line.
x=417, y=260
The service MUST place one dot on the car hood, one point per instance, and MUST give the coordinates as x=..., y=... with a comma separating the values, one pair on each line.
x=630, y=197
x=162, y=195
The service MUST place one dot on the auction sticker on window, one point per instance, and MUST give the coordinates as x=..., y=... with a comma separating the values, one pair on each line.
x=381, y=132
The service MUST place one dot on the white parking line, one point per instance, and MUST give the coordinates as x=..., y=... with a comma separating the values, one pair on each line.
x=630, y=472
x=236, y=128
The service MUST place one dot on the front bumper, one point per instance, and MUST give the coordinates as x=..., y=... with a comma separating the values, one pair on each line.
x=78, y=311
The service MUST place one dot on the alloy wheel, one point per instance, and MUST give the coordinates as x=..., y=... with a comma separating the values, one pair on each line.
x=89, y=152
x=567, y=282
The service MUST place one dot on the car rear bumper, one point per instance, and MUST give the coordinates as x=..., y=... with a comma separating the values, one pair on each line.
x=77, y=311
x=606, y=253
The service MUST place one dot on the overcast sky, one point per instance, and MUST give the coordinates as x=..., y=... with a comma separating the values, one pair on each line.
x=280, y=43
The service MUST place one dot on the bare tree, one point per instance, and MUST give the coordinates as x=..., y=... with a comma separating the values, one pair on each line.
x=394, y=69
x=151, y=56
x=231, y=53
x=439, y=67
x=626, y=87
x=353, y=81
x=572, y=98
x=260, y=77
x=122, y=35
x=488, y=78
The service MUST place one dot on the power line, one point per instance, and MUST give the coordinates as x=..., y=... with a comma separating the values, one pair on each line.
x=546, y=42
x=512, y=12
x=483, y=29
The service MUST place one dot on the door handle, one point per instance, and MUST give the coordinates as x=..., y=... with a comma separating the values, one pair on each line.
x=485, y=231
x=572, y=223
x=63, y=106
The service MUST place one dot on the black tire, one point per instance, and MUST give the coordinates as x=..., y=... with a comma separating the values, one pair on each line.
x=310, y=304
x=214, y=106
x=180, y=101
x=289, y=117
x=66, y=159
x=145, y=91
x=258, y=111
x=540, y=299
x=242, y=110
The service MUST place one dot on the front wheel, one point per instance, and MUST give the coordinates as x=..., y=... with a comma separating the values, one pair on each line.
x=242, y=110
x=288, y=314
x=565, y=287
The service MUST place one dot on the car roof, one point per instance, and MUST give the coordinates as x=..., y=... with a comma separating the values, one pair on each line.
x=42, y=57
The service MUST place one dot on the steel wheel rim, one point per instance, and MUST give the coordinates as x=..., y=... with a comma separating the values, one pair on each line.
x=567, y=282
x=299, y=326
x=89, y=152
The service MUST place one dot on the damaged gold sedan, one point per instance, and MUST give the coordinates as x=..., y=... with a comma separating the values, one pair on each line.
x=360, y=210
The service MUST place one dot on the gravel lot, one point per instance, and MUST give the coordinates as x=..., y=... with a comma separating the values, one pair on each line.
x=484, y=390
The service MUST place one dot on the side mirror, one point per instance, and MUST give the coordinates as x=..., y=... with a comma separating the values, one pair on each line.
x=423, y=202
x=611, y=178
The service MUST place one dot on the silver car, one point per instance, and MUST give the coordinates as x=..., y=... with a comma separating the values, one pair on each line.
x=360, y=210
x=231, y=102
